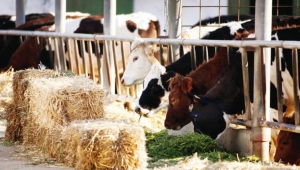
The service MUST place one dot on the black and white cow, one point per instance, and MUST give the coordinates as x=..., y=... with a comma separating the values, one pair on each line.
x=212, y=112
x=225, y=32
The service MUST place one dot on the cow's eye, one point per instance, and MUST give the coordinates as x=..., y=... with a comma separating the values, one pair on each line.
x=135, y=58
x=285, y=143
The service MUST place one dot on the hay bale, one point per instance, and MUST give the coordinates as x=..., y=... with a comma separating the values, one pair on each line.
x=6, y=83
x=17, y=109
x=45, y=99
x=114, y=110
x=5, y=91
x=102, y=144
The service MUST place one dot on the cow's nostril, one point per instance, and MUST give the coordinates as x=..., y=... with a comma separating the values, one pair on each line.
x=138, y=110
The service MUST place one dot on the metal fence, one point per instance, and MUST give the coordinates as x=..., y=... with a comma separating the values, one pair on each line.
x=98, y=66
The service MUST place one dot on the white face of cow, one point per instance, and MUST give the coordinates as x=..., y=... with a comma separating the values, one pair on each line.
x=139, y=64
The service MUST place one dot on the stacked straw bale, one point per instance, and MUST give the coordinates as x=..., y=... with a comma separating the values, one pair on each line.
x=45, y=99
x=64, y=116
x=17, y=109
x=5, y=92
x=102, y=144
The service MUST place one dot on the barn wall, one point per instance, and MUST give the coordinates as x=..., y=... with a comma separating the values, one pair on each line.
x=8, y=7
x=190, y=15
x=156, y=7
x=96, y=6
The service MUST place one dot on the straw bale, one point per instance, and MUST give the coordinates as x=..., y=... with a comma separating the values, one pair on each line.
x=19, y=108
x=45, y=100
x=5, y=92
x=194, y=162
x=114, y=110
x=6, y=83
x=102, y=144
x=55, y=102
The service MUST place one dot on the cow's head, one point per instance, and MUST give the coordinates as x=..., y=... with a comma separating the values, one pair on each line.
x=287, y=150
x=178, y=114
x=155, y=91
x=207, y=116
x=139, y=63
x=152, y=94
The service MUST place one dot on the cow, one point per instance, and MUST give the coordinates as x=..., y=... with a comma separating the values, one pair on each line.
x=286, y=73
x=198, y=82
x=14, y=41
x=212, y=113
x=287, y=150
x=155, y=94
x=223, y=19
x=219, y=90
x=136, y=24
x=149, y=98
x=27, y=55
x=140, y=24
x=8, y=21
x=183, y=65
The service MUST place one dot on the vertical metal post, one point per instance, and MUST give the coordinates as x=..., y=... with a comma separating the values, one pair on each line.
x=20, y=12
x=245, y=82
x=175, y=17
x=261, y=136
x=295, y=85
x=60, y=18
x=60, y=15
x=109, y=9
x=279, y=85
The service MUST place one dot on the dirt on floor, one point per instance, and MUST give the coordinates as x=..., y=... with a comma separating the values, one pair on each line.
x=13, y=156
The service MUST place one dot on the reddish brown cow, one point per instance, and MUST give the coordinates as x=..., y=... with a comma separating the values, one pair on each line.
x=199, y=82
x=26, y=56
x=288, y=149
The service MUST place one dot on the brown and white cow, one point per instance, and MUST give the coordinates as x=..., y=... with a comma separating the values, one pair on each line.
x=13, y=44
x=288, y=149
x=27, y=55
x=140, y=24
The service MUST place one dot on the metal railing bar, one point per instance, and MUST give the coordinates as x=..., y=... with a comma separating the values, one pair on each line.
x=77, y=57
x=118, y=82
x=68, y=45
x=279, y=86
x=56, y=55
x=106, y=61
x=99, y=62
x=246, y=84
x=82, y=54
x=247, y=123
x=90, y=52
x=49, y=45
x=63, y=54
x=280, y=126
x=164, y=41
x=295, y=85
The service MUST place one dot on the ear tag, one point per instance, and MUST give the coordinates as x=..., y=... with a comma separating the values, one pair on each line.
x=191, y=107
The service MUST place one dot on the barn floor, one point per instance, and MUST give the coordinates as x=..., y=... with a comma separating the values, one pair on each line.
x=19, y=158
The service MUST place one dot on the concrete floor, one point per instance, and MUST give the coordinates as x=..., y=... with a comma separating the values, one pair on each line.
x=11, y=157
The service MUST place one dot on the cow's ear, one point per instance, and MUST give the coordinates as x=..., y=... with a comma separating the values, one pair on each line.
x=187, y=84
x=149, y=49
